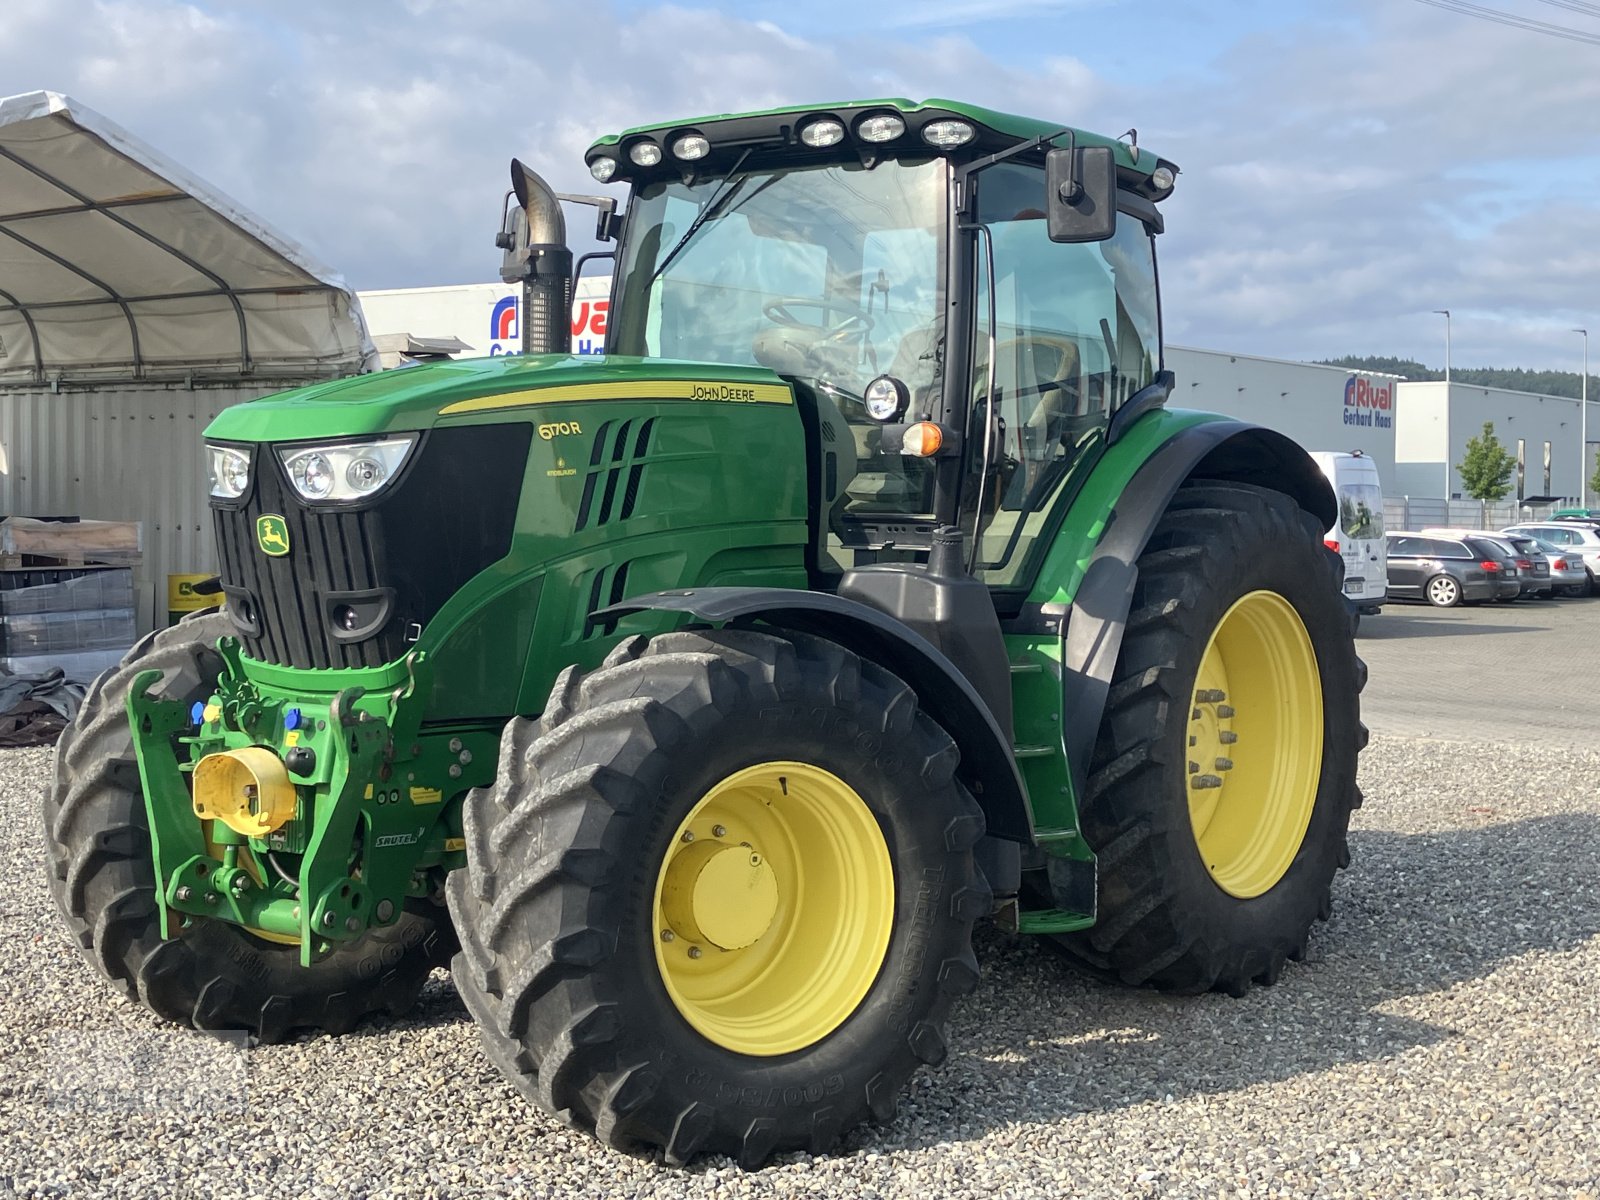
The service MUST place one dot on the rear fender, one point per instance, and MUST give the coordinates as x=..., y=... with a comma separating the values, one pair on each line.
x=1218, y=450
x=988, y=767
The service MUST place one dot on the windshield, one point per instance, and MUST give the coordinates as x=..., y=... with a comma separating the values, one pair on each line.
x=828, y=274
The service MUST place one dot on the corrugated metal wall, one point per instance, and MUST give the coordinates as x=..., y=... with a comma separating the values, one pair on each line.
x=121, y=452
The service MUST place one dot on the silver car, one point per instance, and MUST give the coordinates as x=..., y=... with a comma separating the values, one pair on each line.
x=1570, y=537
x=1567, y=574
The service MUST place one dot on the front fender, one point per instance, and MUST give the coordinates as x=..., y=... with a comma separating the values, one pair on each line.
x=988, y=767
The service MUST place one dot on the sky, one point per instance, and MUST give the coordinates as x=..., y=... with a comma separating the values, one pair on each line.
x=1348, y=166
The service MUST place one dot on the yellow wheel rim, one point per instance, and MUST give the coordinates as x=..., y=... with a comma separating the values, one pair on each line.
x=1255, y=744
x=773, y=908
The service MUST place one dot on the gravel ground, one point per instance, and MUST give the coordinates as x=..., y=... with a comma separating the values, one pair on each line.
x=1443, y=1039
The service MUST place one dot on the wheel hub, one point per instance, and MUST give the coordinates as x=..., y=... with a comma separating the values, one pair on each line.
x=773, y=907
x=719, y=894
x=1254, y=744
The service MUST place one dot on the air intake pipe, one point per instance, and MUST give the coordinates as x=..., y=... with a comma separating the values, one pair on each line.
x=534, y=238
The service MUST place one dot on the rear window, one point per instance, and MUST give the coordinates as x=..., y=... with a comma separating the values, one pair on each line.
x=1361, y=511
x=1484, y=548
x=1524, y=545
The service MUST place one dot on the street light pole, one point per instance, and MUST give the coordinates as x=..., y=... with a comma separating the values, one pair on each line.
x=1583, y=427
x=1445, y=313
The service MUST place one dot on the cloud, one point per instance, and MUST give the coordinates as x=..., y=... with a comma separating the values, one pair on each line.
x=1344, y=174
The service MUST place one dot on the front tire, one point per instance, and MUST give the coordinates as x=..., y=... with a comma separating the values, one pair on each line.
x=1225, y=772
x=213, y=975
x=720, y=897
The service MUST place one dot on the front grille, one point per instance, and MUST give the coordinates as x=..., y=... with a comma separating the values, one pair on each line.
x=329, y=551
x=451, y=513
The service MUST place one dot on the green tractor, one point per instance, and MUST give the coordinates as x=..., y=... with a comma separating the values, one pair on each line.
x=692, y=702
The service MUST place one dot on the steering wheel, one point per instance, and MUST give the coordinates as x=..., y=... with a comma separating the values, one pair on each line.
x=857, y=320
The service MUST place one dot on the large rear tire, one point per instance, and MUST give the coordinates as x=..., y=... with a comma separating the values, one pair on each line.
x=1225, y=771
x=720, y=897
x=213, y=975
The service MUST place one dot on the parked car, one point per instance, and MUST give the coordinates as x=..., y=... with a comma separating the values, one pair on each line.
x=1572, y=537
x=1443, y=571
x=1532, y=575
x=1536, y=575
x=1357, y=536
x=1499, y=559
x=1567, y=574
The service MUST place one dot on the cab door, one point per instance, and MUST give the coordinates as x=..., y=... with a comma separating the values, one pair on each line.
x=1076, y=332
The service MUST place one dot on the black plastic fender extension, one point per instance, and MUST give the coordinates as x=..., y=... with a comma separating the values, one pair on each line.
x=1225, y=451
x=988, y=767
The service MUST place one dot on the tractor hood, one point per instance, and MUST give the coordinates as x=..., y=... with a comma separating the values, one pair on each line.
x=473, y=390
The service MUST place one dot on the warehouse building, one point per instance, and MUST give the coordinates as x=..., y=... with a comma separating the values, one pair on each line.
x=1543, y=432
x=1322, y=408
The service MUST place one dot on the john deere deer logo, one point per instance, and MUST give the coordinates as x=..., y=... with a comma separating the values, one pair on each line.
x=272, y=534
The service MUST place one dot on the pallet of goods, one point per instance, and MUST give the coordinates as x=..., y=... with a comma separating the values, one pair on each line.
x=30, y=542
x=66, y=595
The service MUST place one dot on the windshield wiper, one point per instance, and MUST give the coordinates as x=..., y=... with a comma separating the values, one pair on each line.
x=721, y=196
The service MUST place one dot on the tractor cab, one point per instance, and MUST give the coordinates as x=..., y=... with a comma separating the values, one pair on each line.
x=961, y=300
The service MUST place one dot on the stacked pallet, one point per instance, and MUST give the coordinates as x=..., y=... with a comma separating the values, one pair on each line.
x=66, y=595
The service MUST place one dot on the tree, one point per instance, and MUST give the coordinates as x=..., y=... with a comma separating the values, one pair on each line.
x=1487, y=467
x=1594, y=480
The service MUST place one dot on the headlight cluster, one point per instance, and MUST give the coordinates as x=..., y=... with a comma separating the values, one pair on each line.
x=230, y=471
x=818, y=132
x=345, y=470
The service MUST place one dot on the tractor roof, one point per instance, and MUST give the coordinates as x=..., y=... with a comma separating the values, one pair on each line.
x=730, y=135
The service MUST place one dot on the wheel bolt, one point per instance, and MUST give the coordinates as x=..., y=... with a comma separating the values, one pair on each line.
x=1227, y=737
x=719, y=831
x=1224, y=764
x=1224, y=710
x=688, y=835
x=694, y=951
x=1194, y=767
x=667, y=935
x=1210, y=696
x=1201, y=782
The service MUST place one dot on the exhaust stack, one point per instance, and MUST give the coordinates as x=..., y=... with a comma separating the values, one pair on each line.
x=534, y=238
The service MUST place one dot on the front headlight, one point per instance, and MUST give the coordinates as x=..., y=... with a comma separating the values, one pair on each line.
x=230, y=471
x=345, y=470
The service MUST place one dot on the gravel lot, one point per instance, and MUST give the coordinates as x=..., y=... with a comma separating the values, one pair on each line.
x=1443, y=1039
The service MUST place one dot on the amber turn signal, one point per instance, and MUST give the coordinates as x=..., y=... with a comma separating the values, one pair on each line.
x=922, y=440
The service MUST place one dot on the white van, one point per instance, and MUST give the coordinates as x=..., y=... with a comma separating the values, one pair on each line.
x=1358, y=535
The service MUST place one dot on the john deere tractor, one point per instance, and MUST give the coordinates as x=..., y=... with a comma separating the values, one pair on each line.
x=692, y=702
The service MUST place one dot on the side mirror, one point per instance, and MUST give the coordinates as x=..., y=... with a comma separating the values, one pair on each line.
x=1081, y=199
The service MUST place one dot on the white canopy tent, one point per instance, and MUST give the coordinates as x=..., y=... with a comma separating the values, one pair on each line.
x=117, y=263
